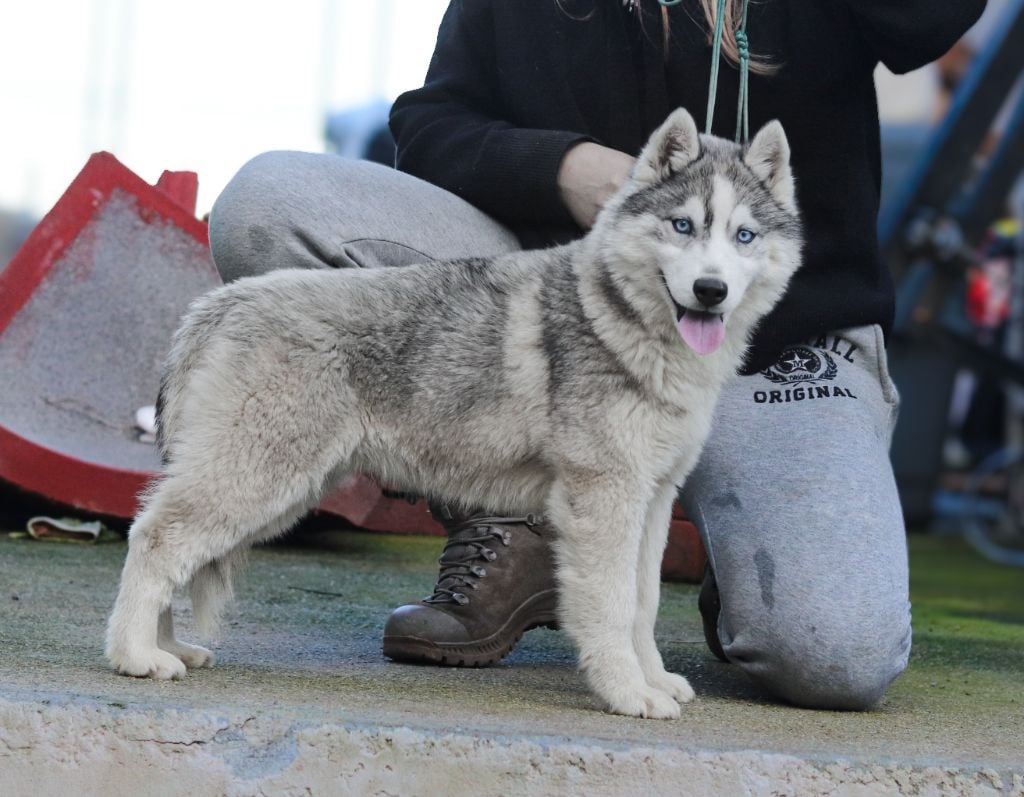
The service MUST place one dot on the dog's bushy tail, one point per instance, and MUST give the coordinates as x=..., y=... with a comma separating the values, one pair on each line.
x=183, y=360
x=211, y=589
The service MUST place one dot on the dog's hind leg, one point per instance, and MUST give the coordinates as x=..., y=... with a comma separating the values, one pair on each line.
x=652, y=550
x=211, y=589
x=600, y=521
x=186, y=526
x=133, y=631
x=192, y=656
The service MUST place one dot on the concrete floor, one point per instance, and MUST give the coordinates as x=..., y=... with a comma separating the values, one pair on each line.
x=301, y=698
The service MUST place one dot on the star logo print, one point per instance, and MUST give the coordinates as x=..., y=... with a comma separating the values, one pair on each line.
x=795, y=362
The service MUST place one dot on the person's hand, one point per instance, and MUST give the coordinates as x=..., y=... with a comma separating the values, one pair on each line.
x=588, y=176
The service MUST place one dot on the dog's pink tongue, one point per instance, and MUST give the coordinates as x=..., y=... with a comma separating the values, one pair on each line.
x=702, y=332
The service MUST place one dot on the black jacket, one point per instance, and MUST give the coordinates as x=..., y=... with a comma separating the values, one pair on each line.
x=514, y=83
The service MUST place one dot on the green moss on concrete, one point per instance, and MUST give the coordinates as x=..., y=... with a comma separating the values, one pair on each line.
x=304, y=641
x=960, y=598
x=406, y=551
x=968, y=618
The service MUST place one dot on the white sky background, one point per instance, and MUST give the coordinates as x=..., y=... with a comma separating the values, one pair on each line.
x=203, y=85
x=199, y=85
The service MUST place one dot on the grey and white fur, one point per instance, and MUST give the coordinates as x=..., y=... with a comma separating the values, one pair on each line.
x=558, y=379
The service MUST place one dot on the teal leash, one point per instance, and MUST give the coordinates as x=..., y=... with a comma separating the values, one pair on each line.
x=743, y=48
x=716, y=57
x=743, y=103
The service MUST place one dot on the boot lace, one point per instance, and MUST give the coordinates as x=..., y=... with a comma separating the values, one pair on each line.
x=468, y=545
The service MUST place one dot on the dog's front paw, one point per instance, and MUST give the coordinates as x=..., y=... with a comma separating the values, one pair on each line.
x=643, y=701
x=675, y=685
x=157, y=664
x=192, y=656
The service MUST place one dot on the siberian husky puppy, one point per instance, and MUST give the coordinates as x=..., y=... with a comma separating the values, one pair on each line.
x=580, y=379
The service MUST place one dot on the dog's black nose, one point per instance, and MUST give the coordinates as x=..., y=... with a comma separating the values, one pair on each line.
x=710, y=292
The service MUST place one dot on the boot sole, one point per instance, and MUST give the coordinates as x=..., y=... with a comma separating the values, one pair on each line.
x=539, y=611
x=710, y=605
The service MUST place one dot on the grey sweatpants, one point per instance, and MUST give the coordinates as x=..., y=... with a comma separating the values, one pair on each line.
x=794, y=494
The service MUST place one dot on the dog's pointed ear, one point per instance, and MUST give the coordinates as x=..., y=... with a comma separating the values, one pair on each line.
x=768, y=158
x=673, y=146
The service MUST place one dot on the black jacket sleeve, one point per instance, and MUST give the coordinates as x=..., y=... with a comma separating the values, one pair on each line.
x=454, y=131
x=907, y=34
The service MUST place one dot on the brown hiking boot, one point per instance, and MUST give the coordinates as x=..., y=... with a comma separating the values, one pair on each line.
x=496, y=582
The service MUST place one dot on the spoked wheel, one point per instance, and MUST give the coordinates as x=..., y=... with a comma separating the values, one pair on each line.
x=994, y=521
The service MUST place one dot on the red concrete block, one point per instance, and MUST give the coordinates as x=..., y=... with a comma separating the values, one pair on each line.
x=182, y=187
x=684, y=555
x=87, y=309
x=360, y=501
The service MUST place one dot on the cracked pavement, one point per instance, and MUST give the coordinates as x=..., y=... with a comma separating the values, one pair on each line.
x=301, y=698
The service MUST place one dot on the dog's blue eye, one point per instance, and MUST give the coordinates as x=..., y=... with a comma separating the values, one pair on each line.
x=745, y=236
x=682, y=226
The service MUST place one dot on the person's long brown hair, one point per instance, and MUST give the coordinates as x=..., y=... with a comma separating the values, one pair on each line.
x=733, y=20
x=734, y=16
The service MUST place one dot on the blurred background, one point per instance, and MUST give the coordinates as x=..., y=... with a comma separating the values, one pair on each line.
x=204, y=86
x=194, y=85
